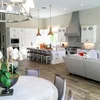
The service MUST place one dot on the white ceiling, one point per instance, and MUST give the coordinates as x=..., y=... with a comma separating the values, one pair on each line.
x=59, y=5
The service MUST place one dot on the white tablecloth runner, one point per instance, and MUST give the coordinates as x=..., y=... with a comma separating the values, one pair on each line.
x=32, y=88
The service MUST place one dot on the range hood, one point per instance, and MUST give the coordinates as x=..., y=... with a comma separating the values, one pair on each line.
x=74, y=27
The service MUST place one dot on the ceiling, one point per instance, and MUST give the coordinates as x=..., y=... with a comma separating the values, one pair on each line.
x=60, y=7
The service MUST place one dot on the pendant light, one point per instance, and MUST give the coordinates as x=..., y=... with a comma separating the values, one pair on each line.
x=50, y=28
x=38, y=33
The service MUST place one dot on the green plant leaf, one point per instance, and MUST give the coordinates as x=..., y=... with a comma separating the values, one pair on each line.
x=1, y=72
x=4, y=67
x=3, y=79
x=8, y=75
x=8, y=82
x=0, y=79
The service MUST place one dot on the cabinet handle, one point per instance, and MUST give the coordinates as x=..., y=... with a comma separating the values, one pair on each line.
x=22, y=44
x=14, y=35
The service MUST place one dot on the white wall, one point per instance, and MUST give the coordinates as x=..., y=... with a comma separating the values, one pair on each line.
x=59, y=21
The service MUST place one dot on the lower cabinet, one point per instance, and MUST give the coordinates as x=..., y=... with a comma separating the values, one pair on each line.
x=57, y=56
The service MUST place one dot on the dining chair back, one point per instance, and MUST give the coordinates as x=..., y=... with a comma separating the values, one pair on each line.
x=60, y=83
x=32, y=72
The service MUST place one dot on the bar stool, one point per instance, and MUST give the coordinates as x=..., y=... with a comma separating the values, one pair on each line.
x=42, y=54
x=46, y=57
x=35, y=54
x=29, y=53
x=39, y=55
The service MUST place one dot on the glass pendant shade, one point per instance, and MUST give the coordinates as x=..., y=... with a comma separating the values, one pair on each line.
x=50, y=31
x=50, y=28
x=38, y=34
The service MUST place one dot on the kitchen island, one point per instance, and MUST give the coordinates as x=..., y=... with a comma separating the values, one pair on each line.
x=57, y=56
x=47, y=56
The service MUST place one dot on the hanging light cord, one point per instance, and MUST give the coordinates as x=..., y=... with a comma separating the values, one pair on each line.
x=50, y=15
x=2, y=4
x=38, y=34
x=38, y=18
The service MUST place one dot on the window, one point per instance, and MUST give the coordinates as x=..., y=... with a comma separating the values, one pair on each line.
x=48, y=39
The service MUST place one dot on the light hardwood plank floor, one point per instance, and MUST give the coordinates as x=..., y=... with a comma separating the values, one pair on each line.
x=83, y=89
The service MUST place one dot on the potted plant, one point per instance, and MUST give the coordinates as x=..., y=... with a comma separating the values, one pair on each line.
x=7, y=78
x=8, y=72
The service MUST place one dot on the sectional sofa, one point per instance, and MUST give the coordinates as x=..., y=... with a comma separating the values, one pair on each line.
x=82, y=66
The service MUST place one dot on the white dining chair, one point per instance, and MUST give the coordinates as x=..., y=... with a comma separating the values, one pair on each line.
x=60, y=84
x=32, y=72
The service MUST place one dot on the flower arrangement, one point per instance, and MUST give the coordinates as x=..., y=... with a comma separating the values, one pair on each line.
x=8, y=70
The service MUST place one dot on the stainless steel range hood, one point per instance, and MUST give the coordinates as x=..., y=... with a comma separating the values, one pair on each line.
x=74, y=27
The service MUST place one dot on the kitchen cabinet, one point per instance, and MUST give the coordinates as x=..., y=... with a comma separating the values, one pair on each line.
x=88, y=34
x=28, y=38
x=61, y=37
x=14, y=32
x=23, y=38
x=31, y=37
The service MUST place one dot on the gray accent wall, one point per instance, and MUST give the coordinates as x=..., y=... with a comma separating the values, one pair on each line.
x=61, y=21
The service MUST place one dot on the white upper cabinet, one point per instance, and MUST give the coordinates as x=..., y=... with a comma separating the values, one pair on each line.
x=61, y=37
x=88, y=34
x=28, y=37
x=14, y=32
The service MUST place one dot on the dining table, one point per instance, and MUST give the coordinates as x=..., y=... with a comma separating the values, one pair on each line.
x=32, y=88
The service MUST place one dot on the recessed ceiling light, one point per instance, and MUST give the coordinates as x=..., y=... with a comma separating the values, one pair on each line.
x=64, y=8
x=43, y=7
x=81, y=4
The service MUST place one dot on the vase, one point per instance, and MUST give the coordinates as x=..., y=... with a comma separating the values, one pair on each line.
x=7, y=91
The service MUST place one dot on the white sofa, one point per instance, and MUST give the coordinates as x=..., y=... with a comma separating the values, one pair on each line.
x=86, y=67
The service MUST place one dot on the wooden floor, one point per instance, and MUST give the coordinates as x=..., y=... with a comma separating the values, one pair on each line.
x=83, y=89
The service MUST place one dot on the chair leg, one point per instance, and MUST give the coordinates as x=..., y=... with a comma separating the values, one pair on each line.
x=41, y=58
x=46, y=60
x=70, y=96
